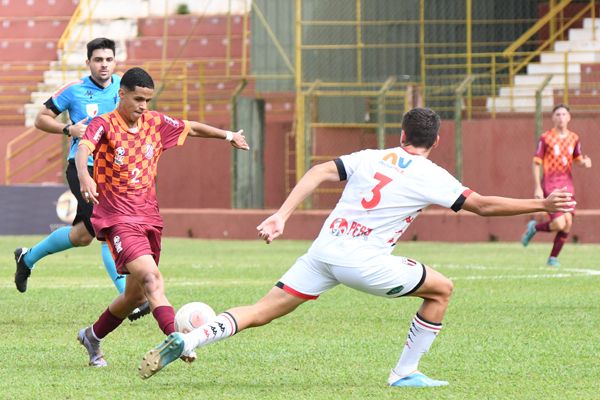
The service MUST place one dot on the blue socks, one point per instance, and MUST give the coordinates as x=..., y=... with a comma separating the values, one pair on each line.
x=58, y=241
x=111, y=269
x=55, y=242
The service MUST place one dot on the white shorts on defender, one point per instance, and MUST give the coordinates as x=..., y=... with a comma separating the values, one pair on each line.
x=390, y=276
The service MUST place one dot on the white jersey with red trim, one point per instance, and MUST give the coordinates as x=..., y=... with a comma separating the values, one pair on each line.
x=385, y=192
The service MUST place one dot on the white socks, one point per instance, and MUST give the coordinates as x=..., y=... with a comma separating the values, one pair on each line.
x=420, y=337
x=223, y=326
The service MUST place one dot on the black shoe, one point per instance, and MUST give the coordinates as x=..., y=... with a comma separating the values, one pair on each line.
x=139, y=312
x=23, y=271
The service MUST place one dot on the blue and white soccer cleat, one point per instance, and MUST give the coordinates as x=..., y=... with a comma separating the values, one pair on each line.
x=162, y=355
x=415, y=379
x=529, y=233
x=553, y=262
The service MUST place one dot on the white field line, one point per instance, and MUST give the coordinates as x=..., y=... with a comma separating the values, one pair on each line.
x=561, y=273
x=564, y=273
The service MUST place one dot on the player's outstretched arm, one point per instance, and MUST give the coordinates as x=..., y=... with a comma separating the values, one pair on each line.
x=272, y=227
x=86, y=183
x=237, y=139
x=558, y=200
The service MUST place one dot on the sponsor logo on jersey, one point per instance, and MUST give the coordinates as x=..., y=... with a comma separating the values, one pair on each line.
x=338, y=227
x=98, y=133
x=395, y=290
x=149, y=151
x=400, y=162
x=91, y=109
x=341, y=227
x=118, y=244
x=171, y=121
x=119, y=155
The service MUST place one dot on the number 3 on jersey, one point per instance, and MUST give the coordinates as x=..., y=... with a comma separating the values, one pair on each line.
x=383, y=180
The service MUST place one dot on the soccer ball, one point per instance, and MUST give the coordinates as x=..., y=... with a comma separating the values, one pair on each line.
x=192, y=316
x=66, y=207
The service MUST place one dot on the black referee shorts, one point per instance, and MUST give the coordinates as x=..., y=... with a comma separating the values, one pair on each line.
x=84, y=209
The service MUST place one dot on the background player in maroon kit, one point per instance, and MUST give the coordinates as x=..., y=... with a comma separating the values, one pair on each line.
x=556, y=152
x=127, y=144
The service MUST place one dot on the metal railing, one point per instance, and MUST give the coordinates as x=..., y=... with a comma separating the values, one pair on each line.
x=42, y=162
x=496, y=72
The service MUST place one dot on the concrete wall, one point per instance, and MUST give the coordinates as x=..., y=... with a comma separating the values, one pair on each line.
x=194, y=182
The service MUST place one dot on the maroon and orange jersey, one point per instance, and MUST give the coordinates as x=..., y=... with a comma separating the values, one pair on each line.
x=125, y=162
x=556, y=152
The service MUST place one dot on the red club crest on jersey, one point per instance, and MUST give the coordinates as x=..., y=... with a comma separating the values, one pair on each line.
x=338, y=227
x=119, y=155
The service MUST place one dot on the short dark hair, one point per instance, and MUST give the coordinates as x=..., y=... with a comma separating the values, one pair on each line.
x=561, y=105
x=136, y=77
x=421, y=127
x=100, y=43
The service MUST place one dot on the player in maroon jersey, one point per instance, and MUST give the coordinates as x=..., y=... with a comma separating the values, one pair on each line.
x=127, y=144
x=557, y=151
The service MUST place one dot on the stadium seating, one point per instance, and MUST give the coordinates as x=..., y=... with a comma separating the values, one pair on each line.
x=582, y=49
x=29, y=32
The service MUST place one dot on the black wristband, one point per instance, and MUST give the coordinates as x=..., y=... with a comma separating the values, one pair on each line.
x=66, y=130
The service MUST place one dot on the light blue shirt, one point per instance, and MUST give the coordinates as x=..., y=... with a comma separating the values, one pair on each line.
x=85, y=98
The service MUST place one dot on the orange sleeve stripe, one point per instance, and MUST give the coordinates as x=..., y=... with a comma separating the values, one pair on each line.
x=65, y=87
x=183, y=135
x=538, y=160
x=87, y=144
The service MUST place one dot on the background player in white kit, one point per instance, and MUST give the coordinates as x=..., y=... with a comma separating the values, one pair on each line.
x=386, y=190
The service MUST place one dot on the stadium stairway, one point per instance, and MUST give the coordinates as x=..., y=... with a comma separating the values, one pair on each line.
x=29, y=32
x=582, y=49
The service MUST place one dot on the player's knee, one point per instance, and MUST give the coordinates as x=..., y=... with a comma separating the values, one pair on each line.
x=80, y=238
x=85, y=240
x=151, y=283
x=560, y=224
x=445, y=289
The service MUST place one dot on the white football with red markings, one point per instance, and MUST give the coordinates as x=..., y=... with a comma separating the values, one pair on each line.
x=192, y=316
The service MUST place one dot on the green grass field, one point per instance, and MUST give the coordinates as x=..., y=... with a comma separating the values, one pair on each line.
x=515, y=329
